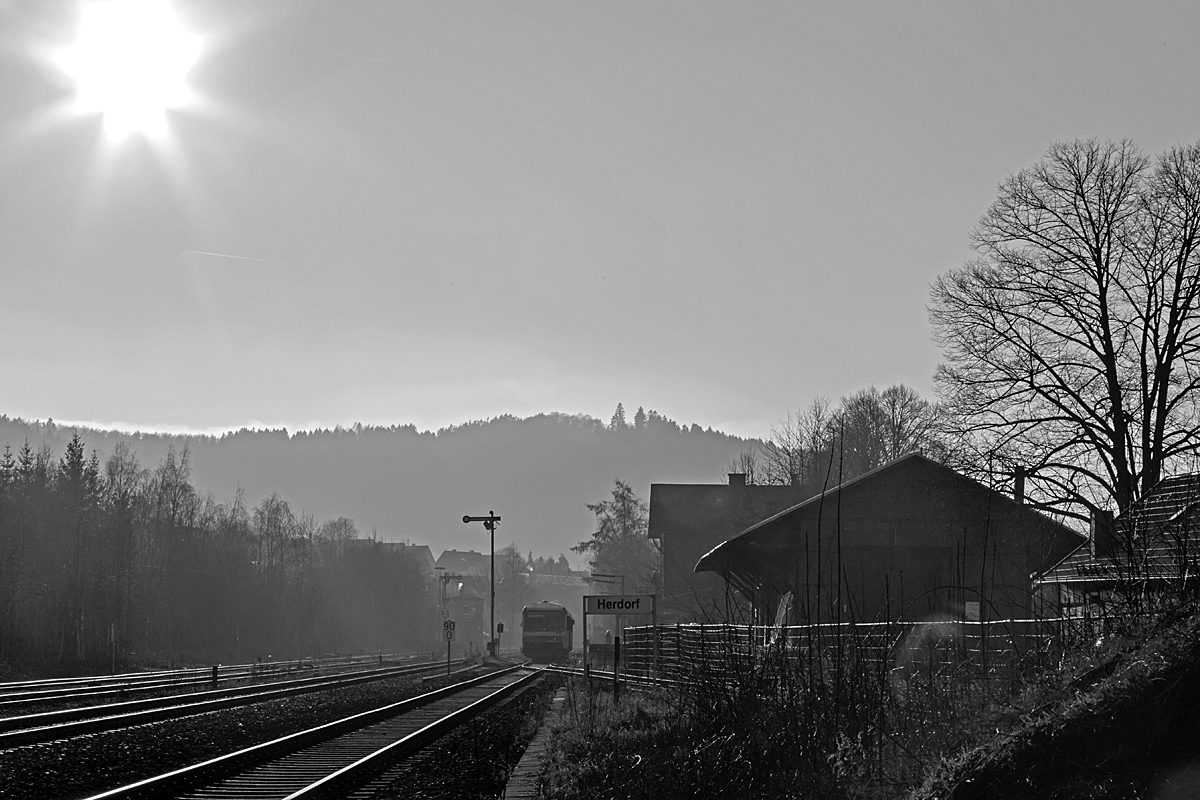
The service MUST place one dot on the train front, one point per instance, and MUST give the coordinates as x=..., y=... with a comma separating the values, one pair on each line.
x=546, y=632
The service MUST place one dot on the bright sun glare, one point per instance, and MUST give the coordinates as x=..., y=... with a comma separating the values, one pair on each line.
x=129, y=63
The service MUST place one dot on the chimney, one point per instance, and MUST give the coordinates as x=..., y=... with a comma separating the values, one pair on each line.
x=1019, y=485
x=737, y=479
x=1100, y=536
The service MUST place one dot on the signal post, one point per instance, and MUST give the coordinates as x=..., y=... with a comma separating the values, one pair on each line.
x=448, y=632
x=489, y=523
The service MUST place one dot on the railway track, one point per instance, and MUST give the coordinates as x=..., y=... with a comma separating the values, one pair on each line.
x=65, y=723
x=17, y=694
x=339, y=758
x=603, y=677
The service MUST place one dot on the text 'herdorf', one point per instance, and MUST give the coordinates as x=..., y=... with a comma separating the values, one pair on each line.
x=619, y=604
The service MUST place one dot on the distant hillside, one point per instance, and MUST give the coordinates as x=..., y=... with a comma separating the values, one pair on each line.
x=538, y=473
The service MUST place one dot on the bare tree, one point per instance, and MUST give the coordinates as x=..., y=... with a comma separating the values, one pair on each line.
x=797, y=451
x=747, y=463
x=822, y=446
x=1070, y=343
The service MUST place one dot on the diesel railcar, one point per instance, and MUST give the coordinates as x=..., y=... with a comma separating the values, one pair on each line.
x=547, y=631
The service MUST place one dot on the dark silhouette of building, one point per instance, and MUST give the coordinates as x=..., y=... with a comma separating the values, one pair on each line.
x=688, y=520
x=466, y=609
x=911, y=539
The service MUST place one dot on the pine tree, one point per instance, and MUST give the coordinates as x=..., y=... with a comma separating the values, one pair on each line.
x=26, y=465
x=639, y=419
x=618, y=419
x=8, y=468
x=71, y=467
x=620, y=545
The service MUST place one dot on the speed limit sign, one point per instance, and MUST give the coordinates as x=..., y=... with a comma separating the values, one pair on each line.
x=448, y=628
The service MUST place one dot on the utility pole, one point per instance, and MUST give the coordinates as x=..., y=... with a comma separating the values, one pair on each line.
x=490, y=522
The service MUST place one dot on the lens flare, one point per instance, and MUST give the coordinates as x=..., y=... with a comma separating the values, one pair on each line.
x=129, y=63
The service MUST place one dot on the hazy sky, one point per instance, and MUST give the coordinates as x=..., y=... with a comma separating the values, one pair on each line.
x=448, y=211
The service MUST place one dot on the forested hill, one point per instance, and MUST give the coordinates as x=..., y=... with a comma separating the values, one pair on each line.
x=538, y=473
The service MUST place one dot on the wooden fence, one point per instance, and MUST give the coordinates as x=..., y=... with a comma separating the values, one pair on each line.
x=1004, y=648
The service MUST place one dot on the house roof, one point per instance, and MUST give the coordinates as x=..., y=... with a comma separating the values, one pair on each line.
x=464, y=562
x=420, y=552
x=1155, y=539
x=679, y=509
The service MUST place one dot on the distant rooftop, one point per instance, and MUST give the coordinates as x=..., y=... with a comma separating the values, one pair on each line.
x=464, y=562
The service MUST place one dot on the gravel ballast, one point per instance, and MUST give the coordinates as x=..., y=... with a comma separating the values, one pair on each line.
x=476, y=759
x=91, y=764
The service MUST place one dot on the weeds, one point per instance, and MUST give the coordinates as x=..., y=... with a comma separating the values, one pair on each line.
x=858, y=713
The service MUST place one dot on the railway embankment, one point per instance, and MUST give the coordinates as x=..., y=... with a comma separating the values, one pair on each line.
x=1129, y=729
x=1113, y=719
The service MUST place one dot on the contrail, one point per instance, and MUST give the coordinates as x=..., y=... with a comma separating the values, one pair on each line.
x=240, y=258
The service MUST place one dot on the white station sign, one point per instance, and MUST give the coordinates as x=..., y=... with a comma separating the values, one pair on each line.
x=618, y=603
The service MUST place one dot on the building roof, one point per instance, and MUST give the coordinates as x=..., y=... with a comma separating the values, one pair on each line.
x=681, y=509
x=464, y=562
x=420, y=552
x=1156, y=539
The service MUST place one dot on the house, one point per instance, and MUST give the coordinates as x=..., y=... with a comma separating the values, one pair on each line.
x=467, y=610
x=688, y=520
x=911, y=539
x=1151, y=550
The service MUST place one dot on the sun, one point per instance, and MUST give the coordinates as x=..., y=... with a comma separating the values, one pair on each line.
x=129, y=63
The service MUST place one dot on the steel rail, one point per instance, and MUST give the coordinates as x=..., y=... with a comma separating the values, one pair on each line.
x=65, y=723
x=186, y=673
x=158, y=681
x=336, y=784
x=600, y=675
x=221, y=767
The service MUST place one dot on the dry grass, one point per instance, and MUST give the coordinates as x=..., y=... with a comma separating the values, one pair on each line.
x=812, y=721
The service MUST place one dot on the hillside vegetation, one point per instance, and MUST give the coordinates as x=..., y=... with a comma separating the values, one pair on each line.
x=539, y=473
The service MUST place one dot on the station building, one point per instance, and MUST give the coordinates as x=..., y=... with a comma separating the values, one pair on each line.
x=911, y=539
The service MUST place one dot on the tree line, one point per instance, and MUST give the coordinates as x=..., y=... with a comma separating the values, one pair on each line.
x=108, y=563
x=404, y=481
